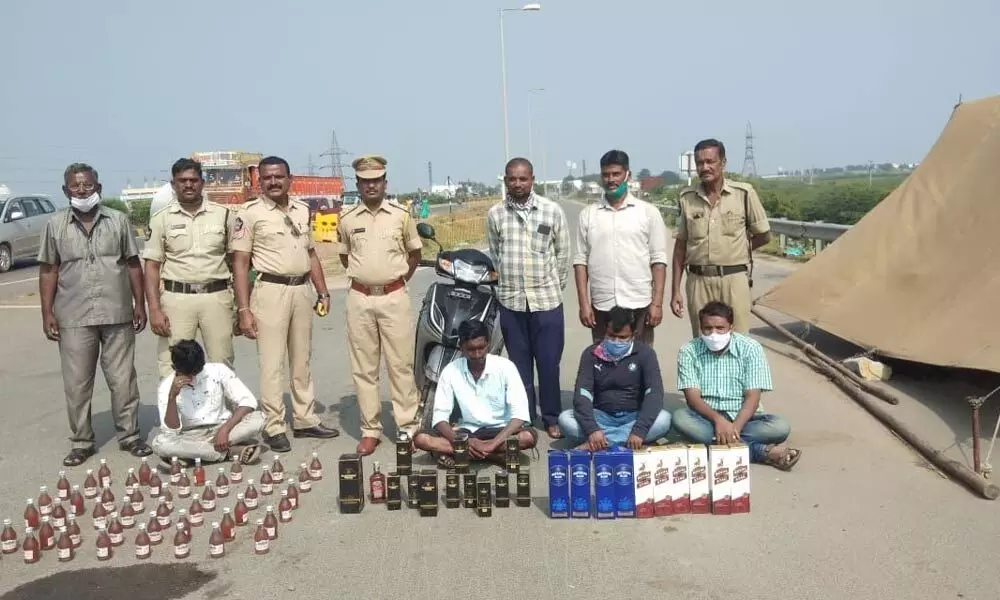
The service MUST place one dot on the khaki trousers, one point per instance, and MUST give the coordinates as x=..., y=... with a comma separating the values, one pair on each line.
x=377, y=325
x=733, y=289
x=80, y=348
x=211, y=314
x=199, y=442
x=284, y=316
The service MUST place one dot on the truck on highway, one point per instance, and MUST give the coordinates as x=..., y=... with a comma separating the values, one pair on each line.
x=231, y=178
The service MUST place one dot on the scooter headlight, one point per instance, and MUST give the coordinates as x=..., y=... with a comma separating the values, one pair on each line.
x=464, y=271
x=447, y=266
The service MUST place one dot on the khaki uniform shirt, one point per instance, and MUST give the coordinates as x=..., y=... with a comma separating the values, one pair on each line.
x=718, y=235
x=94, y=286
x=278, y=242
x=191, y=248
x=377, y=242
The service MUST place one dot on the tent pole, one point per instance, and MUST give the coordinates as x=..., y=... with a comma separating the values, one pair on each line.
x=956, y=470
x=818, y=356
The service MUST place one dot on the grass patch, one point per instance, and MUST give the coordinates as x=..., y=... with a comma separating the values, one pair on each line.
x=462, y=227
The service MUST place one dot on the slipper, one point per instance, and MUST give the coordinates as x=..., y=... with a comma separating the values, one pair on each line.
x=250, y=454
x=786, y=461
x=78, y=456
x=554, y=432
x=445, y=461
x=136, y=448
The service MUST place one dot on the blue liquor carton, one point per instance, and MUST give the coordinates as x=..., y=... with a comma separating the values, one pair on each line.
x=604, y=485
x=579, y=472
x=558, y=484
x=624, y=482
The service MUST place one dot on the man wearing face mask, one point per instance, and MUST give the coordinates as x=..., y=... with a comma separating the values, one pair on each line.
x=91, y=289
x=621, y=255
x=188, y=246
x=488, y=391
x=720, y=224
x=722, y=375
x=618, y=398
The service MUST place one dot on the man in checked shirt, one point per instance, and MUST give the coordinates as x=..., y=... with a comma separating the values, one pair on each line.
x=529, y=241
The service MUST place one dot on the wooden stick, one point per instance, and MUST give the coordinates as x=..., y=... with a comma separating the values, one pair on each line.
x=956, y=470
x=818, y=356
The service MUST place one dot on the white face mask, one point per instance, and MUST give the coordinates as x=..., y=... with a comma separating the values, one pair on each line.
x=87, y=204
x=716, y=341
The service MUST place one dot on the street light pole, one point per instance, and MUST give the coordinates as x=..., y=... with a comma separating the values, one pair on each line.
x=531, y=126
x=503, y=73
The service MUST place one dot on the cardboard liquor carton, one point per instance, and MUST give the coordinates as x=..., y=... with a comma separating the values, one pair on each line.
x=579, y=473
x=662, y=501
x=352, y=492
x=428, y=493
x=523, y=498
x=393, y=493
x=698, y=476
x=740, y=454
x=484, y=503
x=642, y=467
x=452, y=492
x=460, y=452
x=721, y=478
x=624, y=483
x=513, y=454
x=501, y=493
x=679, y=488
x=404, y=454
x=604, y=485
x=469, y=490
x=558, y=484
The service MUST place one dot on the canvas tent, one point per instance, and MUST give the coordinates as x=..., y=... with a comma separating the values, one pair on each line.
x=918, y=278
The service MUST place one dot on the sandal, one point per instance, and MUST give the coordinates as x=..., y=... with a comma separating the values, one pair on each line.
x=785, y=461
x=78, y=456
x=445, y=461
x=554, y=432
x=137, y=448
x=249, y=455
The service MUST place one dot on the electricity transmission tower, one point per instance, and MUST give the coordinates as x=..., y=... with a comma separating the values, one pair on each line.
x=334, y=153
x=749, y=162
x=311, y=167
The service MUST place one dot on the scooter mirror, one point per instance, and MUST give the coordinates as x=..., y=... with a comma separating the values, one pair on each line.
x=425, y=231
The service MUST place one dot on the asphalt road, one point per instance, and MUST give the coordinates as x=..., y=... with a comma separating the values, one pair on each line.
x=860, y=517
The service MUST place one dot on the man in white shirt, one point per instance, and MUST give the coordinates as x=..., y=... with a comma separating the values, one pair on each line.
x=195, y=416
x=490, y=395
x=621, y=255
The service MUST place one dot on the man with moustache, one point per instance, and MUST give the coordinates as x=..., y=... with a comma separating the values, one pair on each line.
x=719, y=226
x=187, y=249
x=529, y=242
x=273, y=232
x=380, y=250
x=91, y=289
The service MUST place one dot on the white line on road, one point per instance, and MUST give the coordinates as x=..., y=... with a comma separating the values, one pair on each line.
x=19, y=281
x=2, y=306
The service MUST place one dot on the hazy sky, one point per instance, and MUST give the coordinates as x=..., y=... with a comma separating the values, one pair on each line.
x=129, y=86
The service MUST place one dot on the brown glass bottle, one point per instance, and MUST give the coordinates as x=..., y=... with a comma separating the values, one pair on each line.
x=137, y=500
x=143, y=544
x=163, y=513
x=58, y=515
x=284, y=508
x=144, y=471
x=216, y=542
x=73, y=528
x=261, y=541
x=236, y=472
x=168, y=497
x=228, y=525
x=8, y=538
x=175, y=470
x=116, y=532
x=293, y=494
x=154, y=530
x=108, y=500
x=266, y=481
x=64, y=547
x=208, y=498
x=183, y=521
x=155, y=485
x=77, y=504
x=199, y=473
x=126, y=516
x=63, y=487
x=222, y=484
x=271, y=523
x=251, y=496
x=32, y=518
x=277, y=470
x=196, y=512
x=305, y=479
x=376, y=485
x=44, y=501
x=104, y=474
x=99, y=515
x=90, y=487
x=316, y=467
x=182, y=548
x=31, y=549
x=131, y=481
x=184, y=485
x=46, y=535
x=104, y=549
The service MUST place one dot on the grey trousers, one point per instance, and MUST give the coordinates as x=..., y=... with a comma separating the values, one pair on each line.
x=198, y=442
x=80, y=348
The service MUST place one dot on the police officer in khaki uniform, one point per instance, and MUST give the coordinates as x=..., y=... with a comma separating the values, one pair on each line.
x=273, y=232
x=711, y=240
x=186, y=249
x=380, y=249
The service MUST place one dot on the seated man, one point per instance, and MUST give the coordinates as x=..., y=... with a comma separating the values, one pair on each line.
x=490, y=396
x=618, y=398
x=195, y=420
x=722, y=375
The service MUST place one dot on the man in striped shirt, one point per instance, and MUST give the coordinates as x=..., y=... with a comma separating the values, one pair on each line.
x=722, y=375
x=529, y=242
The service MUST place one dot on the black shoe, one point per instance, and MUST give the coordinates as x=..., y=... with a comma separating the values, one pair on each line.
x=136, y=448
x=317, y=431
x=278, y=443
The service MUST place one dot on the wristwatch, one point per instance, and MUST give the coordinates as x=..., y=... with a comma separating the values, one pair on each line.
x=324, y=296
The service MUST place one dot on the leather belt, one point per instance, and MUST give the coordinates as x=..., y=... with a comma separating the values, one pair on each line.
x=716, y=270
x=378, y=290
x=209, y=287
x=283, y=279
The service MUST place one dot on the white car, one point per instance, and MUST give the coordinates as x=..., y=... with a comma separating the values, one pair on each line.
x=22, y=219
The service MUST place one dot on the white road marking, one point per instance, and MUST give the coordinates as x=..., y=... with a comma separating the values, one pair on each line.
x=19, y=281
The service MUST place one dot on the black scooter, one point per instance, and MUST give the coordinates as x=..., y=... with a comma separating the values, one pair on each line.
x=470, y=295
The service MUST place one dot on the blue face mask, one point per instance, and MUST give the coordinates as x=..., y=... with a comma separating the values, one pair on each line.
x=616, y=349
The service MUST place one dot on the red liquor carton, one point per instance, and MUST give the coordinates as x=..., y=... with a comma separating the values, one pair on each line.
x=740, y=453
x=662, y=503
x=698, y=479
x=721, y=477
x=642, y=466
